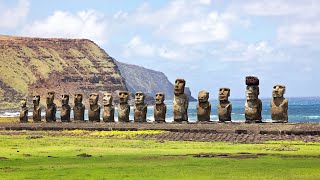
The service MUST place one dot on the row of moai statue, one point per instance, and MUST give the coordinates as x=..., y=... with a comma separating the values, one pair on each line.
x=253, y=106
x=140, y=108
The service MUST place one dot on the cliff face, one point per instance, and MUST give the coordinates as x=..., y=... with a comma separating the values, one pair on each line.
x=148, y=81
x=36, y=65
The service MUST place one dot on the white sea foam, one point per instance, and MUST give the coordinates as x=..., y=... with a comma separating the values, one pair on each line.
x=10, y=114
x=312, y=117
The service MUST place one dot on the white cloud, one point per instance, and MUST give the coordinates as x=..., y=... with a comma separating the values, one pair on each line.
x=136, y=47
x=262, y=53
x=183, y=22
x=282, y=8
x=298, y=20
x=88, y=24
x=300, y=33
x=11, y=17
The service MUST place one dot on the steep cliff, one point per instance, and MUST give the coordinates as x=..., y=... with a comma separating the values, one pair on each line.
x=35, y=65
x=148, y=81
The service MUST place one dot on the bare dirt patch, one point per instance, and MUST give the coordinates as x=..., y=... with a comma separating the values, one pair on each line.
x=84, y=155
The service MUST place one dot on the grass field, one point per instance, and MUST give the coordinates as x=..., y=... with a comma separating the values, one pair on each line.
x=42, y=155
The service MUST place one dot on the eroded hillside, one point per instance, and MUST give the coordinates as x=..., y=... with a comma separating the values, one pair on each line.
x=35, y=65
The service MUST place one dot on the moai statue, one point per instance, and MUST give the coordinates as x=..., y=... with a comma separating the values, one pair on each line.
x=65, y=108
x=23, y=111
x=160, y=108
x=224, y=105
x=180, y=102
x=203, y=107
x=279, y=105
x=36, y=109
x=78, y=109
x=94, y=109
x=51, y=108
x=108, y=108
x=253, y=105
x=123, y=106
x=140, y=108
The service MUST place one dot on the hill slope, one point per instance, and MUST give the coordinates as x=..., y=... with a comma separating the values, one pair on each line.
x=35, y=65
x=146, y=80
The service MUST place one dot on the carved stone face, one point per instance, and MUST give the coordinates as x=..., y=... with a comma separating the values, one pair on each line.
x=78, y=98
x=50, y=98
x=278, y=91
x=179, y=86
x=65, y=99
x=123, y=96
x=159, y=98
x=203, y=96
x=36, y=100
x=252, y=92
x=139, y=98
x=93, y=99
x=107, y=98
x=23, y=103
x=224, y=94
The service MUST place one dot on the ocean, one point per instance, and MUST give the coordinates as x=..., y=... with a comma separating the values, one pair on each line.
x=304, y=109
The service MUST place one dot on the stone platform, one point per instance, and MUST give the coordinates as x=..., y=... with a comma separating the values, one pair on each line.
x=209, y=132
x=233, y=128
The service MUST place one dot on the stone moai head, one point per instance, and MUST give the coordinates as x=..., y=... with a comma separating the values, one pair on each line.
x=23, y=103
x=65, y=99
x=36, y=100
x=159, y=98
x=252, y=91
x=139, y=98
x=224, y=94
x=78, y=98
x=278, y=91
x=50, y=98
x=203, y=96
x=93, y=99
x=179, y=86
x=123, y=97
x=107, y=99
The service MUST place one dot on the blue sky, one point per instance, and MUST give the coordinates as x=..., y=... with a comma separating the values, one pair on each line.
x=209, y=43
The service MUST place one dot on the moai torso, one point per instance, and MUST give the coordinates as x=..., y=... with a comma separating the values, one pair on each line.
x=78, y=109
x=65, y=109
x=23, y=111
x=94, y=109
x=180, y=102
x=51, y=108
x=224, y=106
x=160, y=109
x=140, y=108
x=36, y=109
x=253, y=105
x=253, y=110
x=279, y=105
x=123, y=106
x=108, y=108
x=203, y=107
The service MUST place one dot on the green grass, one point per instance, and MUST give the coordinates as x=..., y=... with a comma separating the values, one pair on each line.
x=55, y=156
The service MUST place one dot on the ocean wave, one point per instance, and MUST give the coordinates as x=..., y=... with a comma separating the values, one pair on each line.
x=10, y=114
x=312, y=117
